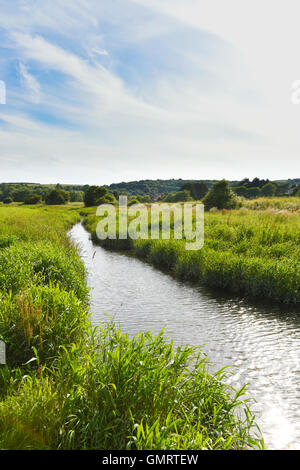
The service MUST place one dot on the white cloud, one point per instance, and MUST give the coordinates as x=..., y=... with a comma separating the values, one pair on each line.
x=100, y=51
x=172, y=124
x=94, y=80
x=32, y=86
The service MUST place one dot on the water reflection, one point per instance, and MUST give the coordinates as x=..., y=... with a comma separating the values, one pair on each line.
x=260, y=343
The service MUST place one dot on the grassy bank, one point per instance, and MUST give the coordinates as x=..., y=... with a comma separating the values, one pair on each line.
x=249, y=252
x=274, y=204
x=67, y=386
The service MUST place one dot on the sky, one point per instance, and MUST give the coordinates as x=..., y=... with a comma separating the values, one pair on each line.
x=99, y=92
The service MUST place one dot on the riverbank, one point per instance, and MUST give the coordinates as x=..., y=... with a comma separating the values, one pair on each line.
x=250, y=252
x=67, y=386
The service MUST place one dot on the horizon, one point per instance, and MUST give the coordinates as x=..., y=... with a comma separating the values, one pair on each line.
x=146, y=179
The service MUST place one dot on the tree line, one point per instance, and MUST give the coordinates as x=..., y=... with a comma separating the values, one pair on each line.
x=30, y=193
x=142, y=191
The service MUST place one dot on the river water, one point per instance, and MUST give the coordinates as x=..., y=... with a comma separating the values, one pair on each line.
x=260, y=343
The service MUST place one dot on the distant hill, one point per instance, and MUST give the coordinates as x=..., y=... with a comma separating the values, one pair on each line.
x=156, y=188
x=153, y=188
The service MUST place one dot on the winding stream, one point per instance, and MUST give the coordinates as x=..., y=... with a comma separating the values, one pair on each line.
x=260, y=343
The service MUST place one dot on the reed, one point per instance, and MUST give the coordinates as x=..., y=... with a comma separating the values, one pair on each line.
x=250, y=252
x=127, y=393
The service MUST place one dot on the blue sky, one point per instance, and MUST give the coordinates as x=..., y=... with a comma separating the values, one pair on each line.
x=101, y=92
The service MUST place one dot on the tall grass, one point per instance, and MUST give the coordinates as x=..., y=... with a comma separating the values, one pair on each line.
x=67, y=386
x=275, y=203
x=256, y=253
x=40, y=317
x=122, y=393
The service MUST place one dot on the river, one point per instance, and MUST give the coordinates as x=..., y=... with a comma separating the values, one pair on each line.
x=259, y=342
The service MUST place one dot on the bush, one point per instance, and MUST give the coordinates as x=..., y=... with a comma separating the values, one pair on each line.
x=133, y=201
x=180, y=196
x=254, y=192
x=33, y=198
x=76, y=196
x=268, y=190
x=96, y=195
x=7, y=200
x=220, y=196
x=107, y=199
x=57, y=197
x=197, y=190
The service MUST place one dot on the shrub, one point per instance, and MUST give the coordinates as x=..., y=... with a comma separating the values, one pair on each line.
x=33, y=198
x=133, y=201
x=220, y=196
x=268, y=190
x=197, y=190
x=57, y=197
x=180, y=196
x=7, y=200
x=253, y=193
x=95, y=194
x=107, y=199
x=76, y=196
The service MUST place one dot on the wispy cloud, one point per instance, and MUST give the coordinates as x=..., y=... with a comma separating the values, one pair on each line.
x=105, y=91
x=31, y=85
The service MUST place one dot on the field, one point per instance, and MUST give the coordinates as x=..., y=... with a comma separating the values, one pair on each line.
x=291, y=204
x=69, y=386
x=253, y=251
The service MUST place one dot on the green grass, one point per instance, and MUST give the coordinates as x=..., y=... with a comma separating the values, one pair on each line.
x=121, y=393
x=248, y=252
x=68, y=386
x=275, y=203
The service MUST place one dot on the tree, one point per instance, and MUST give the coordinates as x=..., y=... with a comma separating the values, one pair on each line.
x=33, y=198
x=96, y=195
x=133, y=201
x=296, y=191
x=76, y=196
x=57, y=197
x=220, y=196
x=116, y=194
x=253, y=193
x=268, y=190
x=241, y=191
x=19, y=194
x=282, y=189
x=198, y=190
x=257, y=183
x=180, y=196
x=7, y=200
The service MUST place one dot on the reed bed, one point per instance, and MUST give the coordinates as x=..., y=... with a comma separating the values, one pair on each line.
x=249, y=252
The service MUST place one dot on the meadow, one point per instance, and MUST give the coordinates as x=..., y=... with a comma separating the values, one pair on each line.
x=253, y=251
x=67, y=385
